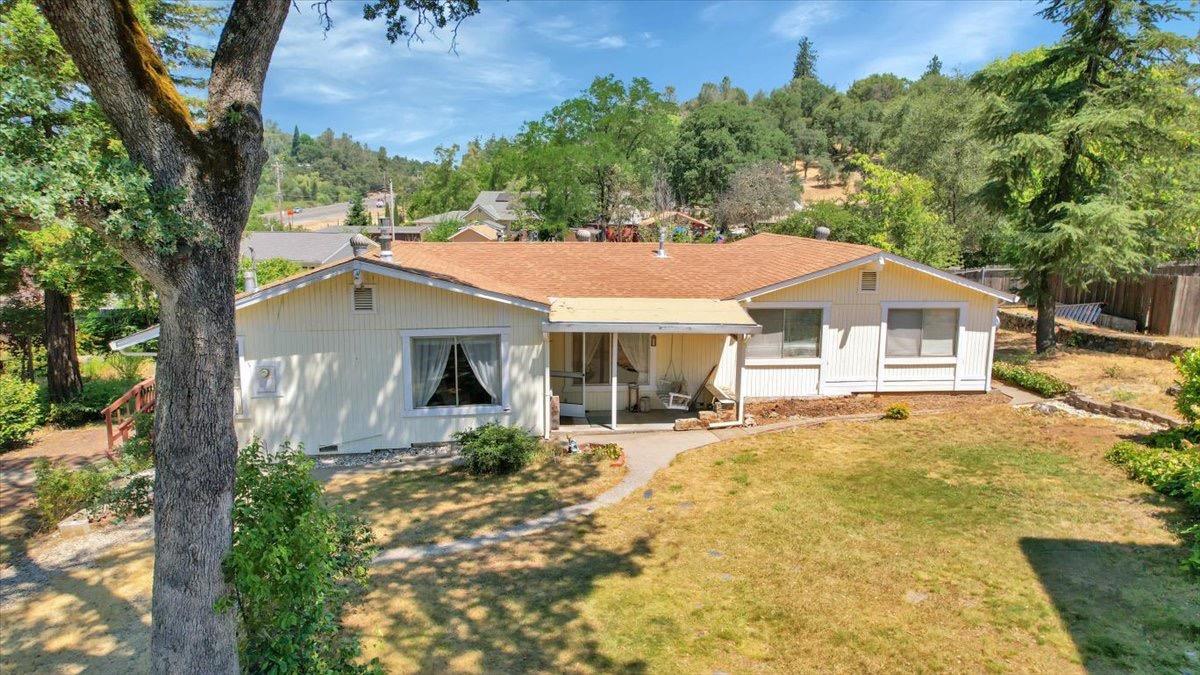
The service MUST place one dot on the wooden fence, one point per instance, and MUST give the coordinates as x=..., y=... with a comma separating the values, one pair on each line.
x=1166, y=302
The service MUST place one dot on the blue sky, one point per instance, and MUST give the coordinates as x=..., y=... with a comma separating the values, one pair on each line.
x=515, y=60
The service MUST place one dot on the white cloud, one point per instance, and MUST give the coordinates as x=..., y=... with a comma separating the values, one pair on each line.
x=408, y=97
x=963, y=34
x=610, y=42
x=802, y=17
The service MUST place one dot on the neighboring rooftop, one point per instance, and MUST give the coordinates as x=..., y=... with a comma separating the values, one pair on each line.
x=439, y=217
x=308, y=249
x=498, y=204
x=541, y=271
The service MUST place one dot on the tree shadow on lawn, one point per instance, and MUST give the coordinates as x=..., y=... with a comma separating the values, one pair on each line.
x=68, y=618
x=1126, y=606
x=413, y=508
x=515, y=607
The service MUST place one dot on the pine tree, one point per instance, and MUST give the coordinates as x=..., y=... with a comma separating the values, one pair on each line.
x=1083, y=132
x=806, y=60
x=934, y=67
x=296, y=140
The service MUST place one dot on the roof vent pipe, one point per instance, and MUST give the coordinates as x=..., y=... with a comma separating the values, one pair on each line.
x=385, y=247
x=662, y=242
x=821, y=232
x=250, y=275
x=359, y=244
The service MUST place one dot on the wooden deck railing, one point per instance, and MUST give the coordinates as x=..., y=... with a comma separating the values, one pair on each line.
x=120, y=415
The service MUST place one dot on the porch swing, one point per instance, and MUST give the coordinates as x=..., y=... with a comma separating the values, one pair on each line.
x=673, y=385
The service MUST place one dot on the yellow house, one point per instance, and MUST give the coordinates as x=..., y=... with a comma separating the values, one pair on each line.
x=407, y=346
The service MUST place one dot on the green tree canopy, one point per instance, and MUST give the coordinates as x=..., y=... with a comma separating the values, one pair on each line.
x=1096, y=145
x=715, y=141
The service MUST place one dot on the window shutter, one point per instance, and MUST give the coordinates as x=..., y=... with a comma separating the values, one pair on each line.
x=869, y=281
x=364, y=299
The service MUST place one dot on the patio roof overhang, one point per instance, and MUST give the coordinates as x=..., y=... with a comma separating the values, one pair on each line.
x=649, y=315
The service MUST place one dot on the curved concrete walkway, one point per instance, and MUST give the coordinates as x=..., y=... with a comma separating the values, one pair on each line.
x=645, y=455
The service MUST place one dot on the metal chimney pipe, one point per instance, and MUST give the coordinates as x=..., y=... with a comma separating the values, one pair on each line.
x=821, y=232
x=662, y=242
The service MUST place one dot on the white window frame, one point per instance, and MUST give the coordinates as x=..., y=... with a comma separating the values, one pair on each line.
x=956, y=360
x=374, y=300
x=411, y=410
x=244, y=373
x=878, y=279
x=822, y=352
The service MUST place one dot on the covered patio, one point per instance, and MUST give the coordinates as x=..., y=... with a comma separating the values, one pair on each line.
x=640, y=363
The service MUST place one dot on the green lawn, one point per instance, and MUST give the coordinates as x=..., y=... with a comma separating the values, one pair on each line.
x=996, y=540
x=987, y=539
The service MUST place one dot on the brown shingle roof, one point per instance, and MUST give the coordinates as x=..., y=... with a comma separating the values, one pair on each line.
x=541, y=271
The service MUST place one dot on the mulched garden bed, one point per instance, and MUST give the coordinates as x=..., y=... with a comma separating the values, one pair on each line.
x=764, y=411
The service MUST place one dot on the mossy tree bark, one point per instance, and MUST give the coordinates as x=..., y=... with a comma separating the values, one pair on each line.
x=216, y=167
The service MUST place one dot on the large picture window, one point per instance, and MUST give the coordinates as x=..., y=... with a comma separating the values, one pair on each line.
x=786, y=333
x=922, y=332
x=452, y=371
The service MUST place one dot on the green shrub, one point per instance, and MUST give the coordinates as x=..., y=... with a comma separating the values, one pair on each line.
x=1170, y=464
x=1027, y=378
x=132, y=499
x=86, y=407
x=126, y=366
x=62, y=490
x=297, y=562
x=20, y=410
x=604, y=451
x=496, y=449
x=899, y=411
x=141, y=446
x=1187, y=401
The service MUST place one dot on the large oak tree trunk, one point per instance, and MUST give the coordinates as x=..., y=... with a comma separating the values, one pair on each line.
x=62, y=356
x=195, y=450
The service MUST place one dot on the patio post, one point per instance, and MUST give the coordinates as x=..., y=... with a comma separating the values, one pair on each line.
x=547, y=394
x=612, y=370
x=739, y=378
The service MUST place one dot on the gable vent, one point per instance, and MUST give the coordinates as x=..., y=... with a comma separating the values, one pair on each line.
x=364, y=299
x=869, y=281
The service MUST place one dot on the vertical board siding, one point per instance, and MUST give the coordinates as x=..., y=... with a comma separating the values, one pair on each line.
x=851, y=349
x=341, y=375
x=776, y=382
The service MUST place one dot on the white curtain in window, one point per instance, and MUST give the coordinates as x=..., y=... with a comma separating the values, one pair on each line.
x=595, y=361
x=483, y=353
x=429, y=357
x=636, y=347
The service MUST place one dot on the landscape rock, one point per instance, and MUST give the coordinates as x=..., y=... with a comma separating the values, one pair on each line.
x=689, y=424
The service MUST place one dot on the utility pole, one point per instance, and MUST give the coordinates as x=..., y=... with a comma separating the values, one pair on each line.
x=392, y=209
x=278, y=193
